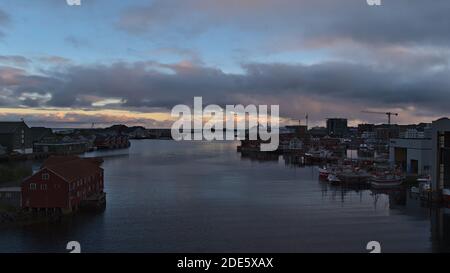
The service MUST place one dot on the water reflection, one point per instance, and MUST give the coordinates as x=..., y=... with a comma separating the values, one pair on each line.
x=166, y=196
x=400, y=200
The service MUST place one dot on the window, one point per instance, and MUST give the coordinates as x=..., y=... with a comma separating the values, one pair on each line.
x=44, y=187
x=45, y=176
x=32, y=186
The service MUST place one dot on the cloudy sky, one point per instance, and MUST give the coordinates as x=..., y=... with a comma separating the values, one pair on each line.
x=114, y=61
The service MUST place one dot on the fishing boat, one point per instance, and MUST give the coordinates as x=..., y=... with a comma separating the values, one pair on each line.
x=354, y=176
x=386, y=181
x=424, y=183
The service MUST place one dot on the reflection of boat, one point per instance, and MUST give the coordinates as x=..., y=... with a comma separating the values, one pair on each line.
x=415, y=190
x=323, y=173
x=333, y=179
x=354, y=176
x=446, y=196
x=386, y=181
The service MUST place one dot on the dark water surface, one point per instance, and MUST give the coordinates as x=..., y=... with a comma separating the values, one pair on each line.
x=166, y=196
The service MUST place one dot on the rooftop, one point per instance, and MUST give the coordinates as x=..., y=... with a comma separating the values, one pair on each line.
x=72, y=168
x=9, y=127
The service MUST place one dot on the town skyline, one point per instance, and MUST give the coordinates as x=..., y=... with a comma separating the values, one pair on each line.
x=109, y=62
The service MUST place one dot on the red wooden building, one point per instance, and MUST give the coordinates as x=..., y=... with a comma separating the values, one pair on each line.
x=62, y=184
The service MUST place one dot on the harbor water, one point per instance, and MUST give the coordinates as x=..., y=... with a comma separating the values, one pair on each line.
x=167, y=196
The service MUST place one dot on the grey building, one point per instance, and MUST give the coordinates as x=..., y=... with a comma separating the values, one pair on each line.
x=440, y=160
x=11, y=197
x=337, y=127
x=412, y=155
x=16, y=137
x=38, y=133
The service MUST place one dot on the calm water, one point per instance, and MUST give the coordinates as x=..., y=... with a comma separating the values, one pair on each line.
x=165, y=196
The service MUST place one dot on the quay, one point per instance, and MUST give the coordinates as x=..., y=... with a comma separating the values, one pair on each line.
x=389, y=154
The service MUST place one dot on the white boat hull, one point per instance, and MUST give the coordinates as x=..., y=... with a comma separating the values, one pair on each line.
x=385, y=184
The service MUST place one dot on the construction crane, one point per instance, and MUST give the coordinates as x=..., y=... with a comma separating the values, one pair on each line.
x=389, y=114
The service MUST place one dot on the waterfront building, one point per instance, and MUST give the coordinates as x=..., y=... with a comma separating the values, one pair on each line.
x=16, y=137
x=39, y=133
x=412, y=155
x=414, y=133
x=10, y=197
x=111, y=141
x=440, y=161
x=57, y=145
x=337, y=127
x=290, y=142
x=62, y=185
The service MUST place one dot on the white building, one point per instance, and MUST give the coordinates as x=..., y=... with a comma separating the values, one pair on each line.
x=413, y=155
x=412, y=133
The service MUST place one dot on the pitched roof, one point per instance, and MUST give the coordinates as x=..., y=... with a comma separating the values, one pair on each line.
x=72, y=168
x=9, y=127
x=39, y=133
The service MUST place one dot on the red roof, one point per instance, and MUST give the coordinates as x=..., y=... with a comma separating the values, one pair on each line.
x=72, y=168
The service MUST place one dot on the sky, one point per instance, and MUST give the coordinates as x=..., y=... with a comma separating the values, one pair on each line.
x=112, y=61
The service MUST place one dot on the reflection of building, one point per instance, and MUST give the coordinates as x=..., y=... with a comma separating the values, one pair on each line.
x=411, y=155
x=337, y=127
x=440, y=160
x=16, y=137
x=440, y=229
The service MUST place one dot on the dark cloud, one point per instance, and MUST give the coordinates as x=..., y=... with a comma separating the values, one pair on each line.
x=152, y=84
x=398, y=22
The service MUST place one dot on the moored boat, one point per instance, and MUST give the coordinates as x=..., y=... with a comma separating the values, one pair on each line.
x=386, y=181
x=446, y=196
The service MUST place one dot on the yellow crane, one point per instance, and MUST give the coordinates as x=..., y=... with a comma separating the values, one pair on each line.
x=389, y=114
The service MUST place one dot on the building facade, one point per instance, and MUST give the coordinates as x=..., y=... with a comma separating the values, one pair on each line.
x=412, y=155
x=337, y=127
x=62, y=184
x=440, y=161
x=11, y=197
x=16, y=137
